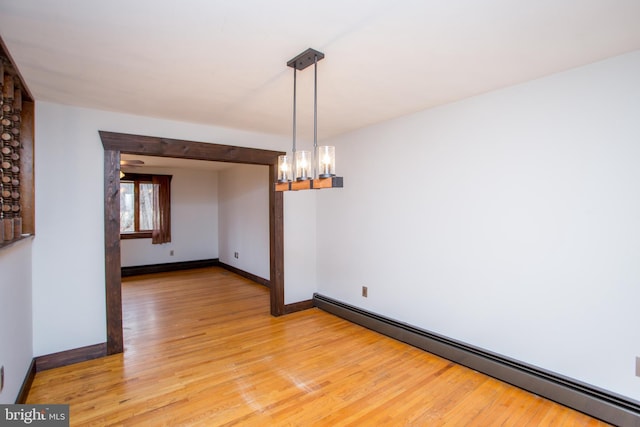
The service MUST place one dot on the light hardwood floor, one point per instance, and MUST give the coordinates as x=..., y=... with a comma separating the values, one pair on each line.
x=202, y=349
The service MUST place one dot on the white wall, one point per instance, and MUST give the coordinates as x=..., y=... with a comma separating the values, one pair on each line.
x=16, y=350
x=510, y=221
x=244, y=228
x=300, y=245
x=68, y=251
x=194, y=221
x=244, y=218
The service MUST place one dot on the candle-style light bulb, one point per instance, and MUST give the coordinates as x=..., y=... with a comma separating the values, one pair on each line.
x=303, y=168
x=303, y=165
x=283, y=168
x=326, y=161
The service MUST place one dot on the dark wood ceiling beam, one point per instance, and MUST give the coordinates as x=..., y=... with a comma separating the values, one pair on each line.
x=167, y=147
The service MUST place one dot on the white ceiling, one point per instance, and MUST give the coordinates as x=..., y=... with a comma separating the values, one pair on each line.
x=223, y=62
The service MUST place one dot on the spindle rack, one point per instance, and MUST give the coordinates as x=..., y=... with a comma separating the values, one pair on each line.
x=17, y=209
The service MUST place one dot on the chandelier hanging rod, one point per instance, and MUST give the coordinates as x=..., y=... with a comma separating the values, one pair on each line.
x=305, y=59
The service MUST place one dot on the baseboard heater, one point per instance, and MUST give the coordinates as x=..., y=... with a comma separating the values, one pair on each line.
x=582, y=397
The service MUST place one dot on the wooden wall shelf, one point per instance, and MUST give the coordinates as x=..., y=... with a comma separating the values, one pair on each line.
x=24, y=135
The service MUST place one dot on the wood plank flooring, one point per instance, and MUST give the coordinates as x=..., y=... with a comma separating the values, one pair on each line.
x=202, y=349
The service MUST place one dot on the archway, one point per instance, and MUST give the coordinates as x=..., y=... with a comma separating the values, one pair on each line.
x=116, y=143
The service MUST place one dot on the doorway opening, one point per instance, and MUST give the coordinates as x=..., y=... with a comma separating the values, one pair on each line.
x=115, y=144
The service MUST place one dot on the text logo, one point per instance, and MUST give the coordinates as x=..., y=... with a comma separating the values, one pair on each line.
x=34, y=415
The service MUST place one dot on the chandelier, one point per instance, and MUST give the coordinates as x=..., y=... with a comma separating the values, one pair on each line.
x=307, y=170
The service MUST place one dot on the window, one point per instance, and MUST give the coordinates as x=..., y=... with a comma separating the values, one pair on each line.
x=145, y=207
x=136, y=206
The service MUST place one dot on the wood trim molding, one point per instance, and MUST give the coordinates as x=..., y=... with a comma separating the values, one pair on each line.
x=26, y=384
x=276, y=243
x=598, y=403
x=4, y=50
x=113, y=283
x=298, y=306
x=68, y=357
x=137, y=270
x=182, y=149
x=136, y=235
x=259, y=280
x=116, y=143
x=27, y=176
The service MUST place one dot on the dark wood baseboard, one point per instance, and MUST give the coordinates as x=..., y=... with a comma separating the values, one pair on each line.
x=137, y=270
x=298, y=306
x=69, y=357
x=26, y=384
x=245, y=274
x=288, y=308
x=607, y=406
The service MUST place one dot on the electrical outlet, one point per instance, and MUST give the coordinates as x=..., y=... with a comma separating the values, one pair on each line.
x=171, y=252
x=1, y=378
x=365, y=291
x=637, y=366
x=235, y=255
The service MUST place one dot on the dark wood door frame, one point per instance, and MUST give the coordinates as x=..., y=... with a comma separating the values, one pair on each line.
x=116, y=143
